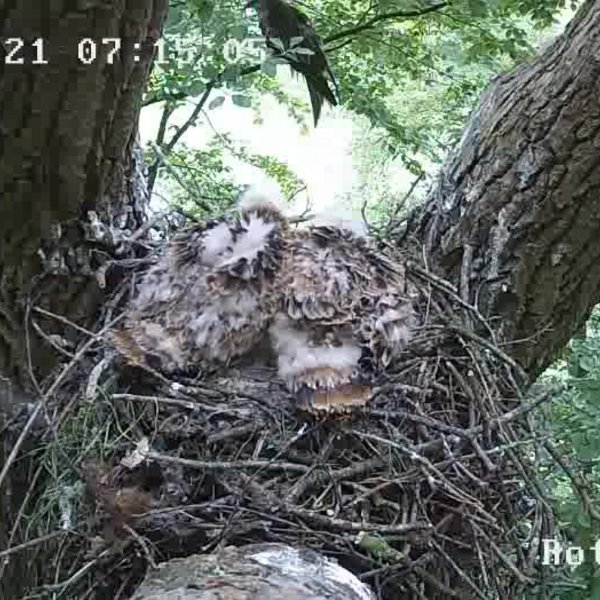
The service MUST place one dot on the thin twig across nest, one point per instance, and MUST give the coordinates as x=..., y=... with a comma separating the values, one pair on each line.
x=431, y=492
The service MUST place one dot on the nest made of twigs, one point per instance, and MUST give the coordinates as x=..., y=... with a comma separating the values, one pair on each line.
x=430, y=492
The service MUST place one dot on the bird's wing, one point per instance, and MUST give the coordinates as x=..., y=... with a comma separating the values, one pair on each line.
x=387, y=316
x=211, y=295
x=321, y=277
x=316, y=64
x=381, y=296
x=280, y=20
x=316, y=100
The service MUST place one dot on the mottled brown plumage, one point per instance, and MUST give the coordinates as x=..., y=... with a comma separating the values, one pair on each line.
x=211, y=296
x=346, y=311
x=336, y=308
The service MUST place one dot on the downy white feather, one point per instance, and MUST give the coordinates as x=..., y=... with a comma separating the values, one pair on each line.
x=216, y=242
x=297, y=355
x=264, y=194
x=252, y=241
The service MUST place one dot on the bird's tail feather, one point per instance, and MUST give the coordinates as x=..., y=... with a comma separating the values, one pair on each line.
x=343, y=399
x=316, y=101
x=321, y=85
x=335, y=85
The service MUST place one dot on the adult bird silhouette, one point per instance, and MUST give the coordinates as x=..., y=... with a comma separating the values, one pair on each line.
x=300, y=47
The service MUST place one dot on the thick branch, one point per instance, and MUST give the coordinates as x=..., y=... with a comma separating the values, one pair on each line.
x=522, y=195
x=67, y=131
x=391, y=16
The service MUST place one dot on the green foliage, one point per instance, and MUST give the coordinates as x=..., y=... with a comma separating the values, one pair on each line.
x=275, y=169
x=198, y=182
x=89, y=431
x=382, y=192
x=413, y=68
x=573, y=420
x=445, y=57
x=194, y=38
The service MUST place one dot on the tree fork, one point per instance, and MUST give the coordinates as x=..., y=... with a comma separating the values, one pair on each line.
x=513, y=222
x=517, y=206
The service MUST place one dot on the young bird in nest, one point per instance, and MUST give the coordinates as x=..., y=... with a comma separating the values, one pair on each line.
x=289, y=32
x=345, y=312
x=212, y=295
x=336, y=309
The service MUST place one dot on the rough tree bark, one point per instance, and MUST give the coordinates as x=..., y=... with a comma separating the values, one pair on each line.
x=515, y=218
x=250, y=572
x=66, y=136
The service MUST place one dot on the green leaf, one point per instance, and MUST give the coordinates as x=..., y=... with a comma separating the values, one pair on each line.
x=478, y=8
x=583, y=520
x=242, y=100
x=238, y=32
x=307, y=51
x=269, y=68
x=202, y=8
x=216, y=102
x=588, y=362
x=231, y=73
x=277, y=43
x=595, y=588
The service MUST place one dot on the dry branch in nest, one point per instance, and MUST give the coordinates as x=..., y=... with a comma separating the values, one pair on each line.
x=430, y=492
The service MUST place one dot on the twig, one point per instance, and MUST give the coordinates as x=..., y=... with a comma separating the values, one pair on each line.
x=455, y=566
x=160, y=138
x=30, y=543
x=234, y=464
x=143, y=544
x=575, y=480
x=64, y=321
x=399, y=14
x=189, y=405
x=232, y=433
x=399, y=205
x=92, y=385
x=76, y=576
x=51, y=390
x=344, y=525
x=508, y=563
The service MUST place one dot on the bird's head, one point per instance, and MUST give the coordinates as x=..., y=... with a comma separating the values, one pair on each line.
x=265, y=197
x=251, y=4
x=350, y=223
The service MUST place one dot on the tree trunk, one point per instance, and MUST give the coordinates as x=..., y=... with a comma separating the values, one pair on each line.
x=67, y=147
x=515, y=218
x=66, y=137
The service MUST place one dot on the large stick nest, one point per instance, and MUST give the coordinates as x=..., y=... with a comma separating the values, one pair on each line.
x=430, y=492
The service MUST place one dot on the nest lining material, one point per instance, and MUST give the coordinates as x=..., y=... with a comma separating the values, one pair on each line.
x=421, y=495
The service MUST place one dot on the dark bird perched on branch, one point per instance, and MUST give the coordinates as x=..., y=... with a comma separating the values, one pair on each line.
x=290, y=34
